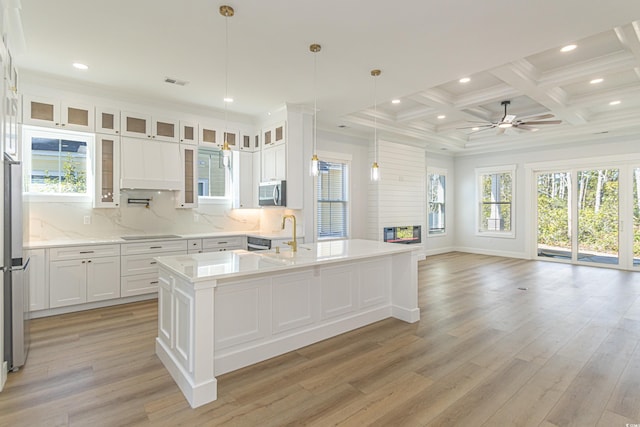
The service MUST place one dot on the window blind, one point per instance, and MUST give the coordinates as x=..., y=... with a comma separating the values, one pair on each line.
x=331, y=194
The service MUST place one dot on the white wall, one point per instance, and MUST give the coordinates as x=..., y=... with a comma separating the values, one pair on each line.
x=465, y=197
x=398, y=199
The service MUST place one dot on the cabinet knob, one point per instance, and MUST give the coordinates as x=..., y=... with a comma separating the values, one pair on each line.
x=89, y=261
x=84, y=262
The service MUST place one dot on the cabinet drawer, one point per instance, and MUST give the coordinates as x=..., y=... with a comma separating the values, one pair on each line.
x=218, y=243
x=142, y=264
x=139, y=284
x=154, y=247
x=78, y=252
x=194, y=244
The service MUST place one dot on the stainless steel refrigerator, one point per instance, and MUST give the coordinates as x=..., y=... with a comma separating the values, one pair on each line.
x=15, y=267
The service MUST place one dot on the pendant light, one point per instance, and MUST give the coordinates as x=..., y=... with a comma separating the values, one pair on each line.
x=375, y=170
x=313, y=167
x=227, y=12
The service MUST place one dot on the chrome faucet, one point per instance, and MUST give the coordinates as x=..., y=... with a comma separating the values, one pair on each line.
x=294, y=242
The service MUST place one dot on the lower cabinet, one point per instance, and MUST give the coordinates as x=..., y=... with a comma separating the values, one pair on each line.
x=77, y=281
x=38, y=289
x=139, y=267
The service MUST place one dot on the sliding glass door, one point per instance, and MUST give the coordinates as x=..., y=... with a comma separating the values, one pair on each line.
x=577, y=215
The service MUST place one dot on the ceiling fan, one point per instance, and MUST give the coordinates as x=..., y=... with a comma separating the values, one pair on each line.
x=510, y=121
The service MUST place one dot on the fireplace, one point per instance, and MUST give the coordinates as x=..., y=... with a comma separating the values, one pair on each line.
x=406, y=234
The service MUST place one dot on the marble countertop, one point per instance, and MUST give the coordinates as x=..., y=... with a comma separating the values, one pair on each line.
x=237, y=263
x=39, y=244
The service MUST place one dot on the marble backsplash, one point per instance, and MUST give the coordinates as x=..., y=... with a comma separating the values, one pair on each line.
x=67, y=220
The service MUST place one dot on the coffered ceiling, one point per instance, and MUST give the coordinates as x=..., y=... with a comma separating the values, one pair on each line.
x=510, y=50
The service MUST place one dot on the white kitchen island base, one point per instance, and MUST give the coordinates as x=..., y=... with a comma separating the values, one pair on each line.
x=219, y=312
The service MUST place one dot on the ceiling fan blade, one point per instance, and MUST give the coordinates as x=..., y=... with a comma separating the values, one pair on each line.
x=501, y=131
x=481, y=126
x=546, y=122
x=525, y=127
x=540, y=117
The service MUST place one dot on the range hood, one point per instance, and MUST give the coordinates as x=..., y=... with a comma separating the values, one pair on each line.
x=150, y=165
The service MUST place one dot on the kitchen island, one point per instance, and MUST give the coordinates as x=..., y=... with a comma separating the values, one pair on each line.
x=218, y=312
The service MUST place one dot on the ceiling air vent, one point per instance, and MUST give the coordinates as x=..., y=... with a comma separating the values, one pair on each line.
x=175, y=81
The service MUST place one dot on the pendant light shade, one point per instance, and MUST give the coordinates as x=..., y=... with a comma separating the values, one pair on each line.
x=313, y=166
x=375, y=169
x=227, y=12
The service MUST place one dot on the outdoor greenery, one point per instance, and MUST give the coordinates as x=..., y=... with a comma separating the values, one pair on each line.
x=73, y=178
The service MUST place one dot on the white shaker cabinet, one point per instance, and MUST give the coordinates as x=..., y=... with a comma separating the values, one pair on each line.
x=38, y=289
x=55, y=113
x=83, y=274
x=274, y=163
x=107, y=172
x=151, y=165
x=187, y=196
x=140, y=125
x=108, y=120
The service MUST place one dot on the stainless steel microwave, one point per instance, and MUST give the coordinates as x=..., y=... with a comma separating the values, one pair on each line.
x=272, y=193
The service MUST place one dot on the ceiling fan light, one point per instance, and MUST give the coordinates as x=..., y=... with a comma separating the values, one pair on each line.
x=505, y=125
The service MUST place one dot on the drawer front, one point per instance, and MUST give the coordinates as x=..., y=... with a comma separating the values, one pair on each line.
x=79, y=252
x=162, y=246
x=139, y=284
x=194, y=244
x=142, y=264
x=231, y=242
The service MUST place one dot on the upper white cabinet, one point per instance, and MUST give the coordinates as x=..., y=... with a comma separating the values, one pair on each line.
x=274, y=163
x=274, y=135
x=56, y=113
x=187, y=197
x=245, y=181
x=107, y=172
x=249, y=141
x=139, y=125
x=108, y=120
x=214, y=135
x=189, y=133
x=152, y=165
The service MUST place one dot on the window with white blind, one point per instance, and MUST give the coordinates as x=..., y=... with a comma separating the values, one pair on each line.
x=332, y=200
x=436, y=195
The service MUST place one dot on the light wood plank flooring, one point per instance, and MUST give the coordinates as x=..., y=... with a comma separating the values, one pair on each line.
x=563, y=352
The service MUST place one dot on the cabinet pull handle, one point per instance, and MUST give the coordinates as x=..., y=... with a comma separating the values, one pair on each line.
x=155, y=282
x=84, y=261
x=153, y=262
x=89, y=261
x=86, y=252
x=155, y=247
x=222, y=243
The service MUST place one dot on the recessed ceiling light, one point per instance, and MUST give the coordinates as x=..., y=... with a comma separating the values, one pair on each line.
x=228, y=99
x=80, y=66
x=596, y=81
x=442, y=116
x=476, y=128
x=614, y=103
x=568, y=48
x=464, y=80
x=395, y=101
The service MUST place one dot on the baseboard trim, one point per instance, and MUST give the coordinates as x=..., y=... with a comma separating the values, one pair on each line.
x=89, y=306
x=479, y=251
x=3, y=375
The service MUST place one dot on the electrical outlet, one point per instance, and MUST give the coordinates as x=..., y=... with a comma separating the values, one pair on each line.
x=87, y=220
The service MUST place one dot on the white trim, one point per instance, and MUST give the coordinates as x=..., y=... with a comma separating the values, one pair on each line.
x=333, y=157
x=445, y=173
x=511, y=234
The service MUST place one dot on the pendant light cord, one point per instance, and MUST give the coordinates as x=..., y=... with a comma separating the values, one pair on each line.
x=315, y=102
x=226, y=76
x=375, y=119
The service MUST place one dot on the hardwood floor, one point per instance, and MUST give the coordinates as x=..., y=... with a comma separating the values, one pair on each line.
x=563, y=352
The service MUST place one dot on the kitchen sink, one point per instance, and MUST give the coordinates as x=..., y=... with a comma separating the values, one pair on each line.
x=151, y=237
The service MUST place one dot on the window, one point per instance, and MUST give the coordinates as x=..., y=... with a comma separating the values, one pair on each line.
x=57, y=162
x=436, y=195
x=213, y=177
x=332, y=200
x=496, y=201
